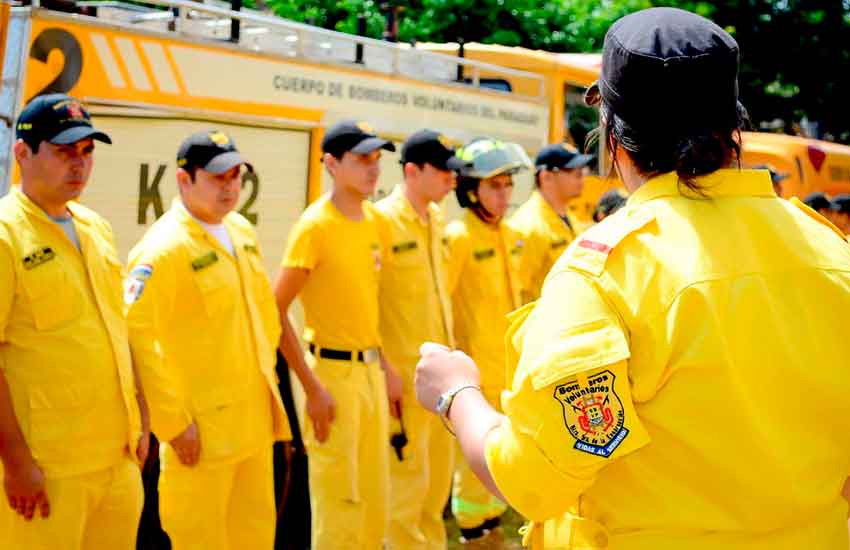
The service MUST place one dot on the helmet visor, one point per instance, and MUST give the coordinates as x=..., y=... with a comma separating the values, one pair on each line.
x=490, y=158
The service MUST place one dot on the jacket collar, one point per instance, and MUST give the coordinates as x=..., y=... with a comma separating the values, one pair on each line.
x=546, y=211
x=728, y=182
x=34, y=210
x=402, y=205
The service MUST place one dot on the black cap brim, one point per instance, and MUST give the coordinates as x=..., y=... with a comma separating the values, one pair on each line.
x=579, y=161
x=220, y=164
x=77, y=133
x=457, y=163
x=593, y=96
x=372, y=144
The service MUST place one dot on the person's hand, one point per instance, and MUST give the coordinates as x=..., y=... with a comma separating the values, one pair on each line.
x=144, y=444
x=187, y=445
x=143, y=447
x=321, y=408
x=25, y=488
x=395, y=389
x=440, y=370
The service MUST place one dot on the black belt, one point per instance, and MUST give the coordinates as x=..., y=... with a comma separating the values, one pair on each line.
x=338, y=354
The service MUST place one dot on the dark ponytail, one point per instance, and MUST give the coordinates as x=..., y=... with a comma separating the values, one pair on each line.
x=690, y=152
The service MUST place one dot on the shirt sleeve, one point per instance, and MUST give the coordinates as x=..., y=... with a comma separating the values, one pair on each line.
x=569, y=411
x=7, y=287
x=149, y=291
x=303, y=247
x=459, y=248
x=532, y=261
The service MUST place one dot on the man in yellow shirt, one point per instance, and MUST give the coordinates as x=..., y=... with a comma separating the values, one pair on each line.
x=203, y=331
x=484, y=278
x=70, y=422
x=544, y=222
x=415, y=308
x=333, y=262
x=681, y=383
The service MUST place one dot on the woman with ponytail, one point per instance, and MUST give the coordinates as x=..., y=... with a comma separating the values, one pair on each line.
x=682, y=381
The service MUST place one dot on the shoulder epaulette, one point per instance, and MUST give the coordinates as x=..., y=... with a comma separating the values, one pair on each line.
x=815, y=216
x=591, y=250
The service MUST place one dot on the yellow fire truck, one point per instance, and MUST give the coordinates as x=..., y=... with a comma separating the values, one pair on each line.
x=811, y=165
x=151, y=74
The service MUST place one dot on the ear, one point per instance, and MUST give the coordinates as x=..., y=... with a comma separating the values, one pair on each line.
x=184, y=179
x=331, y=163
x=544, y=177
x=21, y=150
x=410, y=170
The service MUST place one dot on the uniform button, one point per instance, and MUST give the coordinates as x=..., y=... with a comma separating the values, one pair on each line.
x=601, y=540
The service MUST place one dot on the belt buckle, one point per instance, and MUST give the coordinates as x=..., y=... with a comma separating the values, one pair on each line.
x=370, y=355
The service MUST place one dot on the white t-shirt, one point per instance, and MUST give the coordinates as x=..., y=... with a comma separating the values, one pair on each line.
x=220, y=233
x=67, y=225
x=216, y=230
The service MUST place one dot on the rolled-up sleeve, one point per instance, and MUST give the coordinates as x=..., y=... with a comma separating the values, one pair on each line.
x=569, y=409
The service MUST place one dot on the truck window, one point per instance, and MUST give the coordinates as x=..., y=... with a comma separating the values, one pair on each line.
x=579, y=120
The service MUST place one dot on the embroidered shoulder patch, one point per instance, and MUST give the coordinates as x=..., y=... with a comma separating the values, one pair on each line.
x=593, y=415
x=405, y=246
x=134, y=284
x=206, y=260
x=484, y=254
x=40, y=256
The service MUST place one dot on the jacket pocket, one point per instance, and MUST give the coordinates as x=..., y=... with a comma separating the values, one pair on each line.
x=220, y=415
x=54, y=299
x=217, y=295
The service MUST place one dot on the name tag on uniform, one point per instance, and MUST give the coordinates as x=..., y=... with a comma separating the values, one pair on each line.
x=559, y=243
x=251, y=248
x=484, y=254
x=206, y=260
x=404, y=247
x=39, y=257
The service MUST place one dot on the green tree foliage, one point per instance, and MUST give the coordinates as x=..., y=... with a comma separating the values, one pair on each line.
x=795, y=53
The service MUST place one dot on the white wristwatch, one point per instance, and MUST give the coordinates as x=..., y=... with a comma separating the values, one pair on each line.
x=444, y=403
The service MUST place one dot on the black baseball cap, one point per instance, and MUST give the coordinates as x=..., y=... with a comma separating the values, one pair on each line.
x=668, y=69
x=841, y=203
x=357, y=137
x=56, y=118
x=775, y=177
x=609, y=202
x=561, y=156
x=817, y=201
x=210, y=150
x=431, y=147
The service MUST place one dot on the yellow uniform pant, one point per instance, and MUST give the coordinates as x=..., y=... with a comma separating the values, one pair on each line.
x=420, y=484
x=94, y=511
x=472, y=503
x=349, y=471
x=218, y=506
